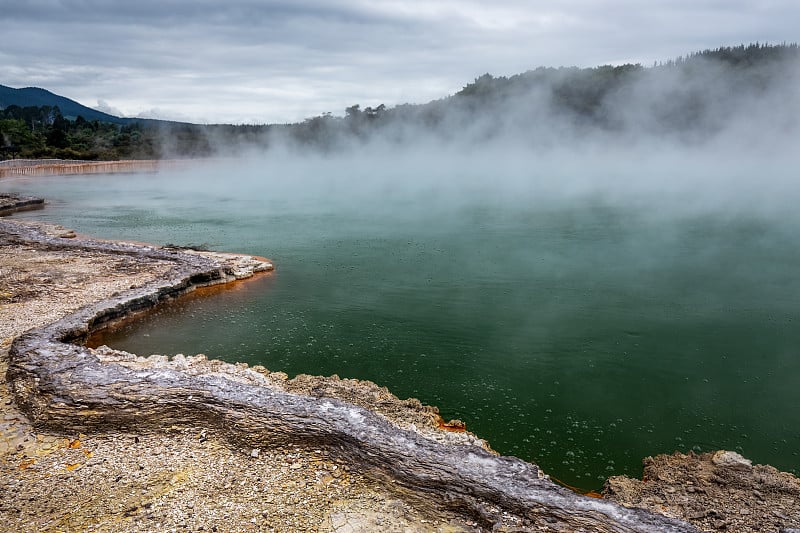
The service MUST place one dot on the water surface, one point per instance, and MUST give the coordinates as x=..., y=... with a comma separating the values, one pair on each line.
x=580, y=330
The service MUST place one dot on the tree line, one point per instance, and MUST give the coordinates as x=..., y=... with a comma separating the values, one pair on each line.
x=690, y=95
x=43, y=132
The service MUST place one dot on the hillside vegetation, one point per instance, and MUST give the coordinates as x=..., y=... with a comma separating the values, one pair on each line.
x=691, y=98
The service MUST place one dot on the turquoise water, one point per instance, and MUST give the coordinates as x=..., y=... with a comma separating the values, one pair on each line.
x=581, y=327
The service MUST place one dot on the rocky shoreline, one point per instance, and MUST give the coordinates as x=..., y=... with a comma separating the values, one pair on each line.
x=11, y=203
x=306, y=454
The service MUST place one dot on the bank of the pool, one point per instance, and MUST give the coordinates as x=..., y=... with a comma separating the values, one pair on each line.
x=62, y=385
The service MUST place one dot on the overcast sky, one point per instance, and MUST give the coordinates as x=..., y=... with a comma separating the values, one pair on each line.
x=267, y=61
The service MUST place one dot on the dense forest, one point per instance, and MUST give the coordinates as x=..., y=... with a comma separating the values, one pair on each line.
x=689, y=97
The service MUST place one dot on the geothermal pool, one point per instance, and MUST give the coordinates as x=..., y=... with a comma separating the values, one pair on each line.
x=576, y=325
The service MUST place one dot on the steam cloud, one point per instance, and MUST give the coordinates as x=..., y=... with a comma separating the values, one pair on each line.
x=680, y=138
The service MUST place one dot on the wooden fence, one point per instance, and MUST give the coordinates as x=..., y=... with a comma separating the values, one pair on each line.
x=51, y=168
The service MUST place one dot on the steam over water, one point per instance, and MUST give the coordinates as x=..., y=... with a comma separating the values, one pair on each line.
x=581, y=310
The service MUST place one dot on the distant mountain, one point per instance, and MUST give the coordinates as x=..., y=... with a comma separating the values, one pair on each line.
x=34, y=96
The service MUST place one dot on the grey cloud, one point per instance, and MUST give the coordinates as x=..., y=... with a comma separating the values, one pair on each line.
x=306, y=57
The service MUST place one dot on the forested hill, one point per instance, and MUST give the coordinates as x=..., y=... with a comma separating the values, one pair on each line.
x=675, y=95
x=36, y=97
x=690, y=98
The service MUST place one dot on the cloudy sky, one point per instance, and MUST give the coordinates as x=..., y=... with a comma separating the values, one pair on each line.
x=266, y=61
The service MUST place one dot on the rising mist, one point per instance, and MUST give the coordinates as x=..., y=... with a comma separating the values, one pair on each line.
x=716, y=130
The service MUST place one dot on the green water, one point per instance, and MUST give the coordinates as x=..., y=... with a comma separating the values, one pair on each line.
x=582, y=331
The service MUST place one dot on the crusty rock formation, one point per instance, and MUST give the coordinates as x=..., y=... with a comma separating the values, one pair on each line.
x=10, y=203
x=719, y=491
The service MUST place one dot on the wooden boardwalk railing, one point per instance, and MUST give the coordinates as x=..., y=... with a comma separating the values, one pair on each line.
x=52, y=168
